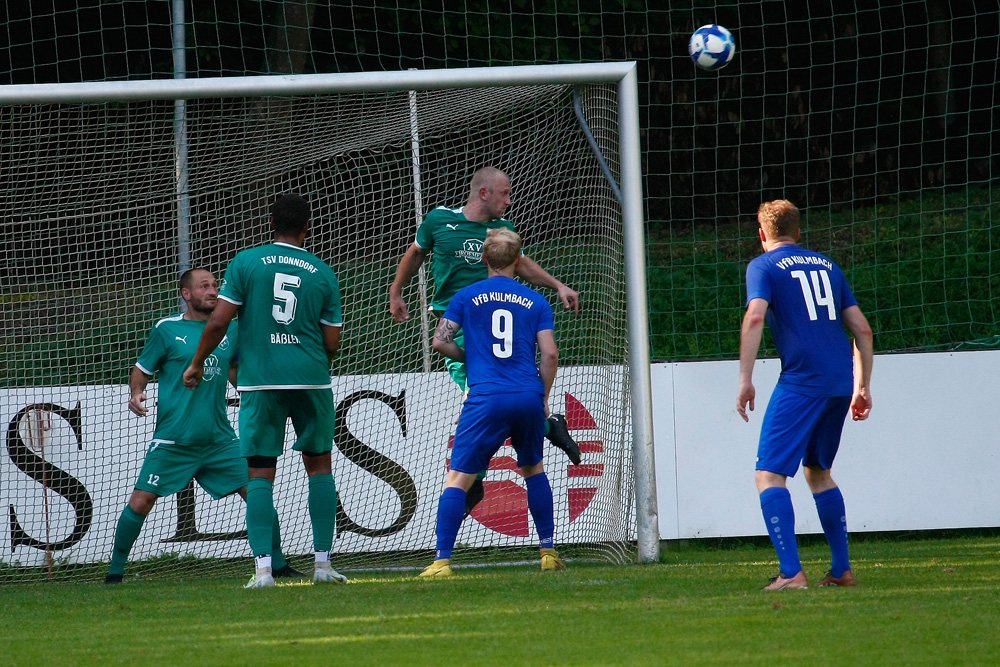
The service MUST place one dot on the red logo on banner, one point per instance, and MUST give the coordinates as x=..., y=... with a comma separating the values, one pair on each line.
x=505, y=507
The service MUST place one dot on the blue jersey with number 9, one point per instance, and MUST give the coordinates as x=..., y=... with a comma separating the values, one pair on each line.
x=806, y=294
x=500, y=319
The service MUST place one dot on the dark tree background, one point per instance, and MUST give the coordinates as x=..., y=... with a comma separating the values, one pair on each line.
x=831, y=104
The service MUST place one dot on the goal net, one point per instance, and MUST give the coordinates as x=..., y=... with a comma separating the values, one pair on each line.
x=91, y=257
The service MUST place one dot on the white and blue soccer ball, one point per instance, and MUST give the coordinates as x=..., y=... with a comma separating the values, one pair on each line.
x=711, y=47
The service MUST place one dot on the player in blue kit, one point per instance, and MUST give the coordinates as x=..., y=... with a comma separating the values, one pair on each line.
x=806, y=301
x=503, y=321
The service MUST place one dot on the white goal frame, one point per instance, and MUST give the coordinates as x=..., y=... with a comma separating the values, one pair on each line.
x=621, y=74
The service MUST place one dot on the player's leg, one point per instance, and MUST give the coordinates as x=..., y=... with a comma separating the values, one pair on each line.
x=127, y=532
x=262, y=439
x=312, y=415
x=224, y=472
x=557, y=431
x=459, y=374
x=826, y=494
x=786, y=429
x=480, y=433
x=527, y=428
x=260, y=518
x=451, y=512
x=167, y=468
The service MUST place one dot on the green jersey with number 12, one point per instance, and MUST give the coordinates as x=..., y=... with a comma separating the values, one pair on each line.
x=284, y=294
x=183, y=416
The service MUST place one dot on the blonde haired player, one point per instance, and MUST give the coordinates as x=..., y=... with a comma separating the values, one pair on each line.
x=504, y=321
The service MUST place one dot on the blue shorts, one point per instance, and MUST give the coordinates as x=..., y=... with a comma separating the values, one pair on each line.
x=800, y=429
x=488, y=420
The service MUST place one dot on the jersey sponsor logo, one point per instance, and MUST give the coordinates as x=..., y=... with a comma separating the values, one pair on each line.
x=211, y=367
x=503, y=297
x=183, y=340
x=450, y=226
x=791, y=260
x=284, y=339
x=290, y=261
x=471, y=252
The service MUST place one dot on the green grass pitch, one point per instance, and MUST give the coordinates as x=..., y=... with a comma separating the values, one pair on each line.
x=925, y=601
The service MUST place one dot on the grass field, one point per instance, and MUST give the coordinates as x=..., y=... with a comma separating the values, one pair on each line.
x=920, y=601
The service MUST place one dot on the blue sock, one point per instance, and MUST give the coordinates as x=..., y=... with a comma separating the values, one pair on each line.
x=833, y=517
x=540, y=506
x=779, y=516
x=451, y=511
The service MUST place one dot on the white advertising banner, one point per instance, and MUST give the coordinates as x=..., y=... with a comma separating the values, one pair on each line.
x=73, y=454
x=926, y=459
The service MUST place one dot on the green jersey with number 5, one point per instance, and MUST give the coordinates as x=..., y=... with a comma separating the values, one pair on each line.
x=285, y=294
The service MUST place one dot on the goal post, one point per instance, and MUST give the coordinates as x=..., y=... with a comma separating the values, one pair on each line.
x=94, y=256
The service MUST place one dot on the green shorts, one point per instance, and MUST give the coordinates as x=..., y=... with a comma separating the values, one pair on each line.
x=457, y=368
x=264, y=414
x=169, y=467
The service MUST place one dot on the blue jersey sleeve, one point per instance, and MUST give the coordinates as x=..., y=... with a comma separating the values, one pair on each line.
x=456, y=307
x=546, y=320
x=758, y=282
x=846, y=295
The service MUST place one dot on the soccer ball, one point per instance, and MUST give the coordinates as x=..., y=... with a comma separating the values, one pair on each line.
x=711, y=47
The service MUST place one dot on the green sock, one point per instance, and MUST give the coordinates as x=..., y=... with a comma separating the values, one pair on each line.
x=127, y=532
x=277, y=558
x=260, y=516
x=322, y=510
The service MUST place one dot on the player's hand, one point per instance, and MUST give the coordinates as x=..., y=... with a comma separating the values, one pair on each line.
x=746, y=394
x=861, y=405
x=397, y=306
x=193, y=375
x=135, y=404
x=570, y=298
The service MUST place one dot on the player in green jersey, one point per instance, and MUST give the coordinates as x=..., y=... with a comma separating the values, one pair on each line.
x=193, y=438
x=288, y=301
x=456, y=238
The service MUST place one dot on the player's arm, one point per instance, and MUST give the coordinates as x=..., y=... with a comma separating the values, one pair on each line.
x=137, y=382
x=331, y=340
x=548, y=361
x=215, y=331
x=408, y=267
x=529, y=270
x=750, y=335
x=864, y=356
x=232, y=373
x=444, y=340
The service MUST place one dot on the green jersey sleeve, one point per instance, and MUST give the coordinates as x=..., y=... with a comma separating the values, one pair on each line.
x=152, y=353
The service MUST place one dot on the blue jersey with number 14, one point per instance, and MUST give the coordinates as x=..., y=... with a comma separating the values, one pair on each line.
x=501, y=319
x=806, y=294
